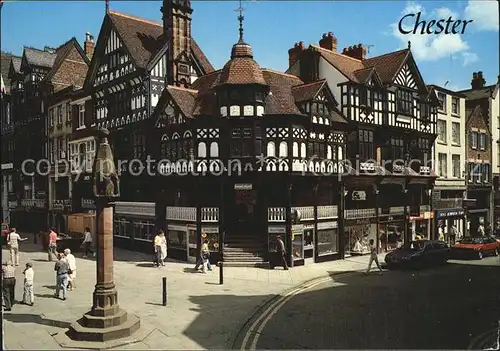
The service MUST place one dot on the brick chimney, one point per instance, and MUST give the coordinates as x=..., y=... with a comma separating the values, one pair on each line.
x=328, y=41
x=356, y=51
x=294, y=53
x=478, y=81
x=89, y=45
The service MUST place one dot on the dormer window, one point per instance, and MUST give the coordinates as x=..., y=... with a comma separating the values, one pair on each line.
x=404, y=102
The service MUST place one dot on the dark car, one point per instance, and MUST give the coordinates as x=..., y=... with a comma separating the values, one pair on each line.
x=420, y=253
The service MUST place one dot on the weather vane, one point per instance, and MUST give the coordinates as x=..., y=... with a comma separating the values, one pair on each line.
x=240, y=10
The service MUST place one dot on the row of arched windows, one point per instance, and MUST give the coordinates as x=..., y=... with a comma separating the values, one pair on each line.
x=301, y=150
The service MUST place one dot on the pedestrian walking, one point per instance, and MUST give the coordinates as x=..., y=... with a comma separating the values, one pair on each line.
x=163, y=247
x=373, y=257
x=87, y=243
x=157, y=247
x=453, y=234
x=204, y=259
x=13, y=242
x=72, y=269
x=281, y=252
x=62, y=270
x=52, y=248
x=8, y=284
x=29, y=275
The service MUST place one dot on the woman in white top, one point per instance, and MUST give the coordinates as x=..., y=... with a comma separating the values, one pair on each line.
x=87, y=243
x=72, y=266
x=29, y=275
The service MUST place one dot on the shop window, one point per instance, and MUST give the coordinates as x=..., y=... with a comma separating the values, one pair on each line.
x=122, y=227
x=177, y=239
x=327, y=241
x=143, y=230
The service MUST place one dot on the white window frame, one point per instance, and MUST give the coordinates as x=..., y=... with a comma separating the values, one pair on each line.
x=81, y=115
x=441, y=138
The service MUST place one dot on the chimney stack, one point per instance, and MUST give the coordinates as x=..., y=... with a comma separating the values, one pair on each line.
x=328, y=42
x=89, y=45
x=356, y=51
x=478, y=81
x=294, y=53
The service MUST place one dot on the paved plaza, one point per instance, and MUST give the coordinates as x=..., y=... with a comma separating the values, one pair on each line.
x=200, y=314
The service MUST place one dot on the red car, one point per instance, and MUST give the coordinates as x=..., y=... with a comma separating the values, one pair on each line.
x=5, y=233
x=476, y=247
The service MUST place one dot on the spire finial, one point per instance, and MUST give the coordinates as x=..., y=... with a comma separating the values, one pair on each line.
x=409, y=44
x=107, y=6
x=240, y=10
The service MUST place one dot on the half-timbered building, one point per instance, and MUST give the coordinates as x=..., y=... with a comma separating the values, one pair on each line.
x=390, y=177
x=133, y=60
x=8, y=194
x=66, y=76
x=247, y=154
x=29, y=134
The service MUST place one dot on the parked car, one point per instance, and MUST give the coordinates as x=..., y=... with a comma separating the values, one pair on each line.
x=420, y=253
x=476, y=247
x=5, y=232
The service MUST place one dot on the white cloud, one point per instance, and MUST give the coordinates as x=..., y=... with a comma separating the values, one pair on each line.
x=469, y=58
x=484, y=13
x=432, y=47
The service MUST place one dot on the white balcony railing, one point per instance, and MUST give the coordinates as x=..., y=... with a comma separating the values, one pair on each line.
x=187, y=214
x=209, y=214
x=397, y=210
x=360, y=213
x=328, y=211
x=88, y=204
x=306, y=212
x=276, y=214
x=38, y=203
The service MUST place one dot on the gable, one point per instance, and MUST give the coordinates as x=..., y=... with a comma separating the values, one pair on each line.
x=405, y=78
x=168, y=114
x=72, y=70
x=159, y=70
x=113, y=43
x=111, y=59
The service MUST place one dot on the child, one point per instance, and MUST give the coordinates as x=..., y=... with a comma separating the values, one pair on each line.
x=29, y=274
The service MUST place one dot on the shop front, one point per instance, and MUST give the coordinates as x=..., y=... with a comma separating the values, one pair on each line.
x=134, y=225
x=446, y=219
x=391, y=229
x=357, y=235
x=420, y=226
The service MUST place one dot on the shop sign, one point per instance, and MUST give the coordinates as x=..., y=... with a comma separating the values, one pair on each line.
x=276, y=230
x=450, y=213
x=243, y=186
x=360, y=221
x=180, y=228
x=359, y=195
x=209, y=229
x=327, y=225
x=389, y=219
x=423, y=216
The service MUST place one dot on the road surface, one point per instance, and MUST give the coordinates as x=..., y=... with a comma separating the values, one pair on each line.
x=449, y=307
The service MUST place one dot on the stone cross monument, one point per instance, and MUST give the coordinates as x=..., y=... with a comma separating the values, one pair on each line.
x=106, y=320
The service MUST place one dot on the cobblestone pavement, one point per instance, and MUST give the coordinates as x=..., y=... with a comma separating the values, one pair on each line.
x=200, y=314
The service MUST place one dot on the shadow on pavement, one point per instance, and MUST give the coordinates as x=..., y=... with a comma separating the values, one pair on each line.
x=36, y=319
x=436, y=308
x=153, y=304
x=45, y=296
x=145, y=265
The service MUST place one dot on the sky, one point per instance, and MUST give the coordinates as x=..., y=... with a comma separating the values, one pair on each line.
x=272, y=27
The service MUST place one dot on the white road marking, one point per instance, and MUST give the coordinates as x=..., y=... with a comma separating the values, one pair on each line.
x=272, y=310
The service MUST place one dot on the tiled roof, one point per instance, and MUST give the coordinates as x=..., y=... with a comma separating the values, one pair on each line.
x=308, y=91
x=386, y=66
x=38, y=57
x=345, y=64
x=363, y=74
x=241, y=68
x=16, y=63
x=483, y=93
x=184, y=98
x=5, y=60
x=285, y=89
x=144, y=38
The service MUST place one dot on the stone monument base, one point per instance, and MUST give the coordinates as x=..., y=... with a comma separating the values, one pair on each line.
x=121, y=329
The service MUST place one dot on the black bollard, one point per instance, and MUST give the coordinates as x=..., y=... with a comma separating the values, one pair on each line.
x=221, y=273
x=164, y=292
